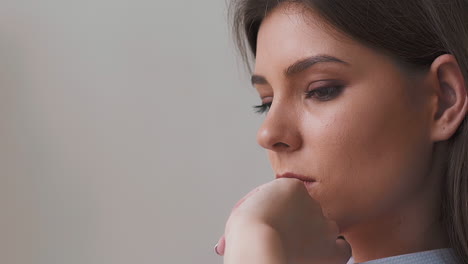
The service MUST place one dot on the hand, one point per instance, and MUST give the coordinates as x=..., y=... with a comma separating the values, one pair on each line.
x=286, y=206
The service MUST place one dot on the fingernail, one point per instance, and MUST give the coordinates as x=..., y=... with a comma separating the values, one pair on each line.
x=216, y=249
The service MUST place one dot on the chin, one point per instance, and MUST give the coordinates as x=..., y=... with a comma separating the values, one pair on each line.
x=343, y=217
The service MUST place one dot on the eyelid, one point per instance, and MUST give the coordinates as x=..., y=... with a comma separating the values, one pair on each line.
x=331, y=93
x=323, y=83
x=266, y=97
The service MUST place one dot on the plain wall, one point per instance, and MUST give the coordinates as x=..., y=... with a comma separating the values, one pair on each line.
x=126, y=131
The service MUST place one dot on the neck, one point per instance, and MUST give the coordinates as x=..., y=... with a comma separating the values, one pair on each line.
x=396, y=235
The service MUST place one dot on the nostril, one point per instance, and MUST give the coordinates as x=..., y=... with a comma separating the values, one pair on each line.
x=281, y=145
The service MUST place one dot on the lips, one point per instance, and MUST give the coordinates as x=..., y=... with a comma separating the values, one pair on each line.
x=296, y=176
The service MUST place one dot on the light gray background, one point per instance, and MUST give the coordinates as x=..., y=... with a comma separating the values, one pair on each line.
x=126, y=131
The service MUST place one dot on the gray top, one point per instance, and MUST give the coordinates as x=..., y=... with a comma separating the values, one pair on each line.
x=436, y=256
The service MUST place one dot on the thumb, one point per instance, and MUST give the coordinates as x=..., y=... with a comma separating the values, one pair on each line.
x=344, y=248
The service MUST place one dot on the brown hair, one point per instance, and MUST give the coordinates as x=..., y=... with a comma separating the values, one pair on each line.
x=413, y=32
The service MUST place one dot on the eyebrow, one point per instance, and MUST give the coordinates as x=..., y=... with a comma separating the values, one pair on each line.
x=300, y=66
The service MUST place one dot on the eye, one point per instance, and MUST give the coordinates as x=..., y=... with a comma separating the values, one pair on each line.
x=260, y=109
x=325, y=93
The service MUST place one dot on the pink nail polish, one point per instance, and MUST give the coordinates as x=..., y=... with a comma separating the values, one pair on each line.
x=216, y=249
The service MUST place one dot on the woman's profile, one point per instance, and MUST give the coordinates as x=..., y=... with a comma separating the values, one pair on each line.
x=365, y=126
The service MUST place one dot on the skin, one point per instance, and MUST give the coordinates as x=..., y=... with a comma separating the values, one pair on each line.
x=280, y=223
x=376, y=147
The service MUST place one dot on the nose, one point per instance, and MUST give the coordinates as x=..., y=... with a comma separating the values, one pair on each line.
x=280, y=130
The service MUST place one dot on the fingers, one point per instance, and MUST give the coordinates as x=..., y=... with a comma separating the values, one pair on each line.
x=219, y=248
x=221, y=245
x=245, y=198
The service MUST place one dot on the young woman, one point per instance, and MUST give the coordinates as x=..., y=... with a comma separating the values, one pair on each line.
x=365, y=126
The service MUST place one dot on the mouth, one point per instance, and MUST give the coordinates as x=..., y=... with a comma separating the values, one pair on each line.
x=296, y=176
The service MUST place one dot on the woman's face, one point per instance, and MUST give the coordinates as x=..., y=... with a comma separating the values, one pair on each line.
x=343, y=114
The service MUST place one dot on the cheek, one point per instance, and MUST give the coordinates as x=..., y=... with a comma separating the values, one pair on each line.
x=368, y=152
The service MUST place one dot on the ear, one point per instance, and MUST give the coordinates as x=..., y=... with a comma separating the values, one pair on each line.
x=451, y=102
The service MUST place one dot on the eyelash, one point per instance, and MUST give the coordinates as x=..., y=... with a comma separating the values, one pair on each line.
x=331, y=92
x=260, y=109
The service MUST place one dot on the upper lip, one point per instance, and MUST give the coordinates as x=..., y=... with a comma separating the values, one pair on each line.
x=296, y=176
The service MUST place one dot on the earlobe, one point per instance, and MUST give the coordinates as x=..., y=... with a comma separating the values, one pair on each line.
x=452, y=101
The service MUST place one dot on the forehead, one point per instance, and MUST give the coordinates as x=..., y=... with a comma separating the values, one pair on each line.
x=291, y=32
